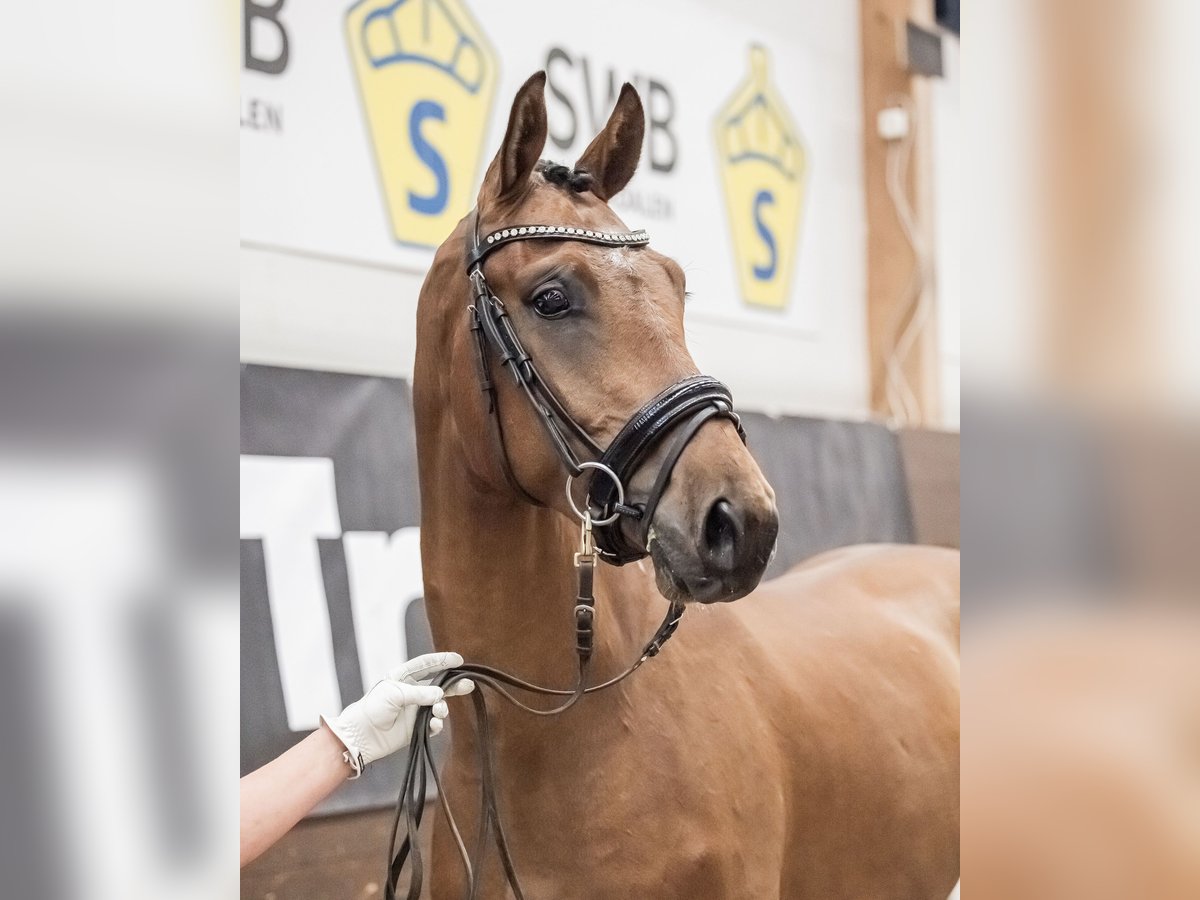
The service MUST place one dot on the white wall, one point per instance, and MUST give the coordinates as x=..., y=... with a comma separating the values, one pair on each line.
x=330, y=313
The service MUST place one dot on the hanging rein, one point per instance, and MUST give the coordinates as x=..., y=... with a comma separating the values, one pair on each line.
x=682, y=408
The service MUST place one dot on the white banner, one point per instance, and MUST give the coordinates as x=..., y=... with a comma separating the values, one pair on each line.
x=366, y=128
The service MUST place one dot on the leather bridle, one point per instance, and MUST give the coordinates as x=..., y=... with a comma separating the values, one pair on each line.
x=682, y=409
x=692, y=401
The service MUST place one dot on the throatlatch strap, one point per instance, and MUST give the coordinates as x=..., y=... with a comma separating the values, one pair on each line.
x=411, y=803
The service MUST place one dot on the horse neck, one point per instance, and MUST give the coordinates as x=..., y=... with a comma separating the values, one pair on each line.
x=500, y=584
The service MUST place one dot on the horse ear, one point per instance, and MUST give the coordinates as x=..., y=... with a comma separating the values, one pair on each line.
x=523, y=141
x=612, y=156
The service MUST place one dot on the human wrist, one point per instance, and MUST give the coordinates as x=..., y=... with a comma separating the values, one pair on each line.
x=337, y=755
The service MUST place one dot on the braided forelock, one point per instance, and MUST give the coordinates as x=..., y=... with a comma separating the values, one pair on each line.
x=564, y=176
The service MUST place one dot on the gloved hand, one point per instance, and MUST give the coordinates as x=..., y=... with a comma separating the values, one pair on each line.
x=382, y=721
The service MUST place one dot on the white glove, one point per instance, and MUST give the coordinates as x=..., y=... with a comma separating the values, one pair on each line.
x=382, y=721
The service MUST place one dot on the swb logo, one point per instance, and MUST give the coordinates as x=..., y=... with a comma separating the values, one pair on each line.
x=763, y=168
x=427, y=77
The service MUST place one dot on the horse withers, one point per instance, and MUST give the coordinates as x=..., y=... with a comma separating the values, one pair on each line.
x=802, y=742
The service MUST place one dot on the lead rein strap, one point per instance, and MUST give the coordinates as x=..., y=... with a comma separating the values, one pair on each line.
x=412, y=794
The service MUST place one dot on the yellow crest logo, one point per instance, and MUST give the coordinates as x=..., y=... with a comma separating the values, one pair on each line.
x=427, y=78
x=763, y=169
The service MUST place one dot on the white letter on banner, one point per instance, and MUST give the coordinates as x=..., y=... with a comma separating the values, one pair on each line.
x=385, y=576
x=289, y=502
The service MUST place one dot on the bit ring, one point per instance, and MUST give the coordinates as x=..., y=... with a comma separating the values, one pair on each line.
x=599, y=467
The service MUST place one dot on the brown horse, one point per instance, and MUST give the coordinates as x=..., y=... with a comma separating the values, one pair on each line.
x=800, y=743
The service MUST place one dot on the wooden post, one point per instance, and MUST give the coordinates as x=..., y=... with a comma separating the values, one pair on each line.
x=890, y=259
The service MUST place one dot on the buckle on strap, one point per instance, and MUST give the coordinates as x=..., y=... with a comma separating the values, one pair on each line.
x=585, y=600
x=478, y=282
x=674, y=615
x=498, y=328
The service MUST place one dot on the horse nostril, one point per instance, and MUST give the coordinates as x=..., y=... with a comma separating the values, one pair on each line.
x=722, y=532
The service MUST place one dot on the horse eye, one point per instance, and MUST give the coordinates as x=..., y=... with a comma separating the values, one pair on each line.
x=551, y=304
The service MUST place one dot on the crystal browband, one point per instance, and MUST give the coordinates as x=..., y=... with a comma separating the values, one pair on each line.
x=552, y=231
x=496, y=239
x=481, y=248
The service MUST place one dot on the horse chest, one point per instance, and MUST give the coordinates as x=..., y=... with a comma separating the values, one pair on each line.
x=654, y=815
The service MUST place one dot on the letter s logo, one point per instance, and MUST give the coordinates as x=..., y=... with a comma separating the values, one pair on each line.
x=426, y=76
x=767, y=272
x=764, y=170
x=432, y=204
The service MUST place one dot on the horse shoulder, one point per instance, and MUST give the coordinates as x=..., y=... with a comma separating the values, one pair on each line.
x=858, y=668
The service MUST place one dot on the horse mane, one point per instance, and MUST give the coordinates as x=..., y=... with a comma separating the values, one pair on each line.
x=564, y=176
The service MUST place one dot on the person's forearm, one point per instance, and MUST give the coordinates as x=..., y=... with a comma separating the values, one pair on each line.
x=277, y=796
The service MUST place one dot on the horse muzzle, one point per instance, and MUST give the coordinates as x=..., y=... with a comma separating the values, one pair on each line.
x=721, y=557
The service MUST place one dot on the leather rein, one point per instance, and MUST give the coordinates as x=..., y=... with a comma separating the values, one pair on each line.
x=682, y=408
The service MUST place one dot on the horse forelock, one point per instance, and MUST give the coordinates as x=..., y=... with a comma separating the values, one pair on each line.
x=575, y=180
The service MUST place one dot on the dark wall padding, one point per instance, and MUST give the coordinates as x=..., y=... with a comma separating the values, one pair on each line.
x=365, y=425
x=836, y=483
x=931, y=469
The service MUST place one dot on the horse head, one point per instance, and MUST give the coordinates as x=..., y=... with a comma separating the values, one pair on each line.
x=605, y=325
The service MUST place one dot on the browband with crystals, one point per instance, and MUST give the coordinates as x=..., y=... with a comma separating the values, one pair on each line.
x=496, y=239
